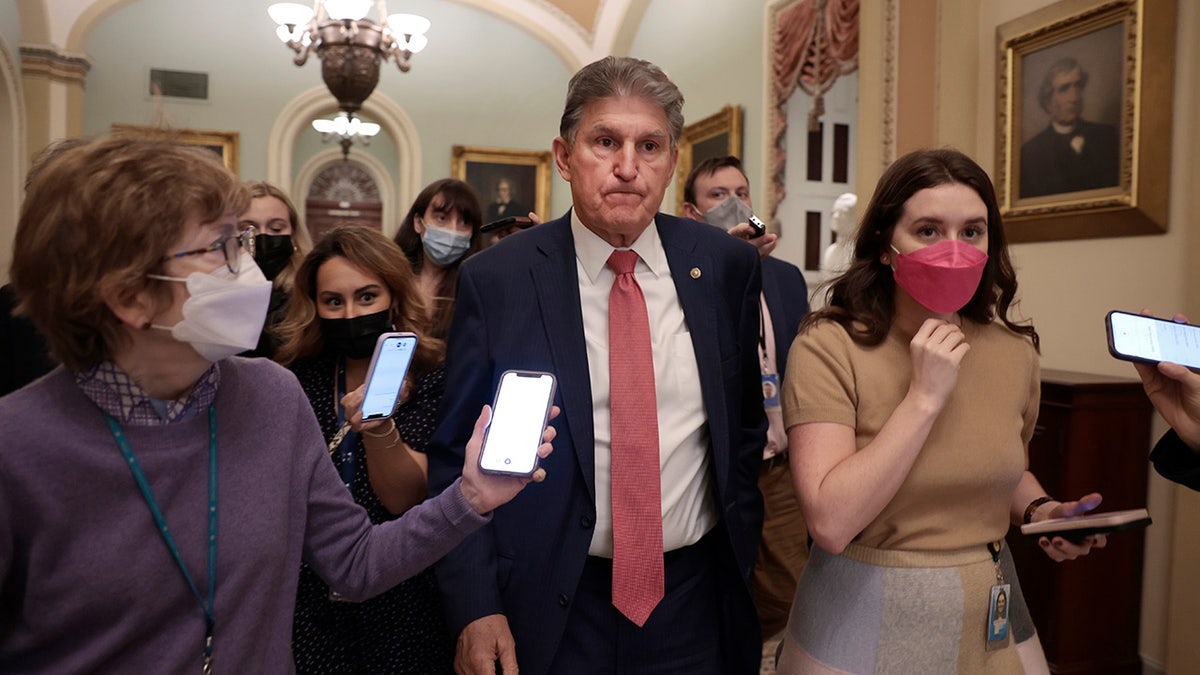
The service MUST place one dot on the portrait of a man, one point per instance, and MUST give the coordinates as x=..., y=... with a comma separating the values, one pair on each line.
x=503, y=202
x=1071, y=153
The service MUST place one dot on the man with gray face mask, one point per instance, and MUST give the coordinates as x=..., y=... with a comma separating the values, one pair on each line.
x=717, y=192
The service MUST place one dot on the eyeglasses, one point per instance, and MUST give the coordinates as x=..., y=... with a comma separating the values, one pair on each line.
x=231, y=244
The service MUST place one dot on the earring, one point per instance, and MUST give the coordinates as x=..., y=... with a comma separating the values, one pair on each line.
x=885, y=260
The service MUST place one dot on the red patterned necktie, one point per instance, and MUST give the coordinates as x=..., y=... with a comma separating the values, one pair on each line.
x=637, y=584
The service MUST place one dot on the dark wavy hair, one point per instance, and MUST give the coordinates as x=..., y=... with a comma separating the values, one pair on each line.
x=371, y=251
x=450, y=195
x=863, y=300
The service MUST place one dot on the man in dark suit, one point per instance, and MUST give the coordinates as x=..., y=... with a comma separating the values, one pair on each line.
x=784, y=547
x=1070, y=154
x=547, y=583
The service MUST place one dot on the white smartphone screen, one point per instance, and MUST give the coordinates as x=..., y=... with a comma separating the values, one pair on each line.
x=1143, y=338
x=389, y=365
x=519, y=415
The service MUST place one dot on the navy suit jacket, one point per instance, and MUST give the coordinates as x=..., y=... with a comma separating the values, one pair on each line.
x=518, y=307
x=786, y=294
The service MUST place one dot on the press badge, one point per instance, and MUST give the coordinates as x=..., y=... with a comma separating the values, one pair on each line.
x=998, y=604
x=770, y=386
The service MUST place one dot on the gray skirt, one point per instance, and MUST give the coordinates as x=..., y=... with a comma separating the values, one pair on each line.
x=877, y=611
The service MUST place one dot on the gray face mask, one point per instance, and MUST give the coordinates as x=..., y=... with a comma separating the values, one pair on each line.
x=728, y=213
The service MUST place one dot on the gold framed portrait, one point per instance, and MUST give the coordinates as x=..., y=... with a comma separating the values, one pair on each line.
x=1083, y=119
x=223, y=143
x=509, y=182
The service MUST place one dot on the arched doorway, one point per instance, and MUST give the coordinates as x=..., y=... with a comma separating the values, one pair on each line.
x=343, y=193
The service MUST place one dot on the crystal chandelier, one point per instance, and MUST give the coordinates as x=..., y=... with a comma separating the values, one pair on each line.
x=349, y=45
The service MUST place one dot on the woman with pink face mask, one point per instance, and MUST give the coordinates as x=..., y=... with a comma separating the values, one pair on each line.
x=910, y=400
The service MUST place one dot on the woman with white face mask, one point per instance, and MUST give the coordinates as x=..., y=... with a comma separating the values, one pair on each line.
x=910, y=400
x=440, y=231
x=157, y=494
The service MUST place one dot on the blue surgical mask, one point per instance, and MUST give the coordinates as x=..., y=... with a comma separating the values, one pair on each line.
x=445, y=246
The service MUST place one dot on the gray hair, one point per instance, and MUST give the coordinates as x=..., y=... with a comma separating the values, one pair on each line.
x=1060, y=67
x=621, y=77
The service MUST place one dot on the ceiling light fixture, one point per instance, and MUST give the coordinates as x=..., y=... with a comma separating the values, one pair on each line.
x=349, y=45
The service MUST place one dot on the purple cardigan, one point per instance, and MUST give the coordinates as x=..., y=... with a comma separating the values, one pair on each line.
x=86, y=582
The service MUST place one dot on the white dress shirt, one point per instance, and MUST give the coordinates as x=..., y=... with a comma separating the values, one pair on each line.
x=688, y=507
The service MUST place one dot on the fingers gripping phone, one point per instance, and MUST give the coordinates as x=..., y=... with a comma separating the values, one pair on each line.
x=519, y=416
x=1133, y=337
x=385, y=376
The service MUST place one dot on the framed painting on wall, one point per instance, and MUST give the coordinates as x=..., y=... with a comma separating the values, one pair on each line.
x=509, y=182
x=718, y=135
x=223, y=143
x=1084, y=119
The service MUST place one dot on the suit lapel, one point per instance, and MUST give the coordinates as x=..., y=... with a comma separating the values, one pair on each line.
x=556, y=284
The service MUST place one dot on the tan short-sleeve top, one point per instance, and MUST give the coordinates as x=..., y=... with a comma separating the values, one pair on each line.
x=959, y=491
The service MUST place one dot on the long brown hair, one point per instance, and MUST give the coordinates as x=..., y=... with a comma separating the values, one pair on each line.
x=371, y=251
x=450, y=195
x=862, y=299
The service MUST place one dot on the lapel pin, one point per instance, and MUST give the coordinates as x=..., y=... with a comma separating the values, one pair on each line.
x=695, y=272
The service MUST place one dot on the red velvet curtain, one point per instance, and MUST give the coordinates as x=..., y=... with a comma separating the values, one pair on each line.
x=814, y=42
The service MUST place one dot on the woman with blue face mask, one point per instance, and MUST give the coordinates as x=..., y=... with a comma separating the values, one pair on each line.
x=354, y=286
x=439, y=232
x=158, y=493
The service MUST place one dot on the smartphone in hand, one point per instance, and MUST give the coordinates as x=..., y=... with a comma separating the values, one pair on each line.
x=385, y=376
x=519, y=221
x=760, y=228
x=1133, y=337
x=519, y=415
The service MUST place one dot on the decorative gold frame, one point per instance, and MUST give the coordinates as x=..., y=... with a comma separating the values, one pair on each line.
x=224, y=143
x=462, y=155
x=727, y=123
x=1139, y=203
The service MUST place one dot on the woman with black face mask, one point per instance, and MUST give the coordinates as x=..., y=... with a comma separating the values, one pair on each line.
x=353, y=286
x=280, y=243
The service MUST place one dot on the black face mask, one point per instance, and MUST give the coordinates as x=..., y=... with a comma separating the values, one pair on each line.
x=355, y=338
x=272, y=252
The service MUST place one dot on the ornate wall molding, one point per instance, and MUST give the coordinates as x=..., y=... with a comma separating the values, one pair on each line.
x=50, y=62
x=891, y=77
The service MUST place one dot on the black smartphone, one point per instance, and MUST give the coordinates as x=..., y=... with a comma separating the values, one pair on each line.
x=1133, y=337
x=519, y=415
x=520, y=221
x=385, y=376
x=760, y=228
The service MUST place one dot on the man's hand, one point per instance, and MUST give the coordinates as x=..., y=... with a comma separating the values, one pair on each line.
x=482, y=643
x=765, y=244
x=1175, y=393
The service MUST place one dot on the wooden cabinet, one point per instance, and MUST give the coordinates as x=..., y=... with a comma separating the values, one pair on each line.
x=1093, y=434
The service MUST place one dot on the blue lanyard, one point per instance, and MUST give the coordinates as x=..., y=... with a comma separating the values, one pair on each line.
x=349, y=442
x=144, y=486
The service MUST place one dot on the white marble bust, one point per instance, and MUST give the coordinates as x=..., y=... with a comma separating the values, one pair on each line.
x=839, y=254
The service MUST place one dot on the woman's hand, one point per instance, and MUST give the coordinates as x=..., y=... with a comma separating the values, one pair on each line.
x=352, y=404
x=937, y=350
x=1060, y=549
x=487, y=491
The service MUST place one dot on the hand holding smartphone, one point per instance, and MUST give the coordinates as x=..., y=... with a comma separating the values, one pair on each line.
x=385, y=376
x=519, y=415
x=521, y=222
x=1146, y=339
x=760, y=228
